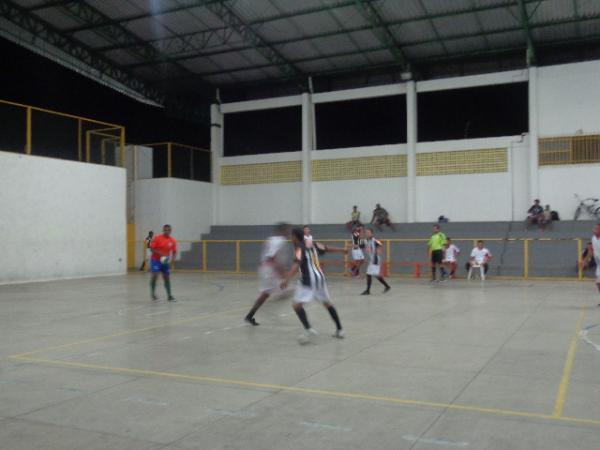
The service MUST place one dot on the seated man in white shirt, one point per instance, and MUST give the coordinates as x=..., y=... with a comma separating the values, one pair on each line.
x=480, y=256
x=451, y=253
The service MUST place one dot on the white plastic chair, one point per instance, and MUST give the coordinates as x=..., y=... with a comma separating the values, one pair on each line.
x=481, y=271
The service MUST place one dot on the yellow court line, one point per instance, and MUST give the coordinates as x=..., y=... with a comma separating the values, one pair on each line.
x=561, y=395
x=126, y=333
x=322, y=392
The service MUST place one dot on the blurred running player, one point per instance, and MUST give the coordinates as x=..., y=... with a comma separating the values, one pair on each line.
x=271, y=270
x=164, y=248
x=373, y=249
x=595, y=253
x=312, y=284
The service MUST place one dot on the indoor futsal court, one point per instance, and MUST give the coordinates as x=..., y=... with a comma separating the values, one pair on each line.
x=300, y=224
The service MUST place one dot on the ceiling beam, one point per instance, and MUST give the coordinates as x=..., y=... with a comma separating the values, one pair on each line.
x=41, y=37
x=188, y=6
x=202, y=35
x=405, y=45
x=384, y=35
x=116, y=33
x=595, y=38
x=524, y=16
x=248, y=34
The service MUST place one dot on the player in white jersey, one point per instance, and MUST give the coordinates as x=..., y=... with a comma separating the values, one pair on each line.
x=480, y=256
x=373, y=249
x=312, y=284
x=272, y=268
x=308, y=239
x=595, y=253
x=358, y=256
x=451, y=253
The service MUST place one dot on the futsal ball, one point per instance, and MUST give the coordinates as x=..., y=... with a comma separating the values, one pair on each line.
x=164, y=260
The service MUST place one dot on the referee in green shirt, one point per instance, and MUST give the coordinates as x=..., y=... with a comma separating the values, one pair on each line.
x=436, y=251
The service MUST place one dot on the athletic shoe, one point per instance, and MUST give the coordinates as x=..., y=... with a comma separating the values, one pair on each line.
x=387, y=289
x=154, y=298
x=443, y=280
x=172, y=299
x=366, y=293
x=306, y=337
x=251, y=321
x=340, y=334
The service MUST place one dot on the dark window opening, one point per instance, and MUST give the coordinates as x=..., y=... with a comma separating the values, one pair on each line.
x=276, y=130
x=359, y=123
x=480, y=112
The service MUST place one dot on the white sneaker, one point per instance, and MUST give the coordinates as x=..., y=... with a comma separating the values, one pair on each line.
x=306, y=337
x=340, y=334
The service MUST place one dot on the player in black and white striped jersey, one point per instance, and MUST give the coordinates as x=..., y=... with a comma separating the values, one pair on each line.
x=358, y=256
x=312, y=284
x=373, y=249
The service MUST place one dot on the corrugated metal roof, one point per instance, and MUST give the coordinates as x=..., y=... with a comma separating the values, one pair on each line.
x=312, y=37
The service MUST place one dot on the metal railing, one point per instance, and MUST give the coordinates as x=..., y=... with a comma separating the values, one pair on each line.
x=513, y=258
x=43, y=132
x=174, y=160
x=583, y=149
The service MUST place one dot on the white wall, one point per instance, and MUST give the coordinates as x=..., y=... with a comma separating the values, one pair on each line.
x=558, y=186
x=332, y=201
x=475, y=197
x=61, y=219
x=185, y=205
x=568, y=99
x=259, y=204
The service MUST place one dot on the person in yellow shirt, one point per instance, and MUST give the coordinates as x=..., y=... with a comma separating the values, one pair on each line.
x=435, y=248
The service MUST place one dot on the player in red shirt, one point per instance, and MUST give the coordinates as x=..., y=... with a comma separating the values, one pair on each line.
x=163, y=247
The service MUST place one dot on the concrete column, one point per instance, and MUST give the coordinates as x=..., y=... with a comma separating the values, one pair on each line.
x=534, y=184
x=411, y=149
x=216, y=147
x=307, y=147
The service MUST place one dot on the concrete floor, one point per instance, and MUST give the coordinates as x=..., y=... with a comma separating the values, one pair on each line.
x=92, y=364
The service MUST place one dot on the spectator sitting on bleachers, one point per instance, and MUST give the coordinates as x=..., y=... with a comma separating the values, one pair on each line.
x=535, y=213
x=381, y=217
x=546, y=217
x=355, y=219
x=480, y=256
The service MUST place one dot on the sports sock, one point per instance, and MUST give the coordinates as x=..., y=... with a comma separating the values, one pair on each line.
x=382, y=281
x=334, y=315
x=259, y=301
x=303, y=318
x=168, y=286
x=369, y=281
x=153, y=286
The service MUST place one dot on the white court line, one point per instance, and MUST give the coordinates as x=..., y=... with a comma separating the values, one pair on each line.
x=584, y=334
x=158, y=313
x=434, y=441
x=325, y=426
x=242, y=414
x=146, y=401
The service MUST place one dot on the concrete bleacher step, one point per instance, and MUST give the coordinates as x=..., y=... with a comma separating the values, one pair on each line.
x=562, y=229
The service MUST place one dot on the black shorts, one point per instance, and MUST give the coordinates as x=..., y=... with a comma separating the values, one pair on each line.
x=437, y=256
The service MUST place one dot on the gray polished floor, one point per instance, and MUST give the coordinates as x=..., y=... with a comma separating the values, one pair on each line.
x=93, y=364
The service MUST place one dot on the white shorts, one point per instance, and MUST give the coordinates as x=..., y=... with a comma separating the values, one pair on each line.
x=269, y=281
x=449, y=261
x=374, y=270
x=306, y=294
x=357, y=254
x=598, y=273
